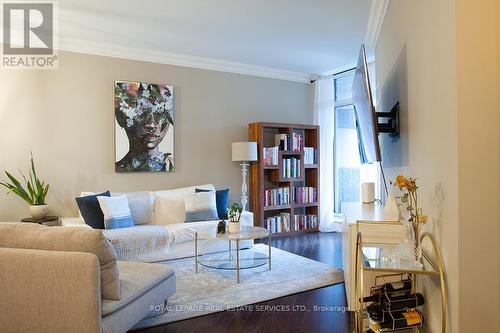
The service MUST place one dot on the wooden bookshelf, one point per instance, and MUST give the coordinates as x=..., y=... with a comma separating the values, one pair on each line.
x=263, y=177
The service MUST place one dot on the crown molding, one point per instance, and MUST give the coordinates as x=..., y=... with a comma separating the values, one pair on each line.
x=375, y=20
x=338, y=69
x=176, y=59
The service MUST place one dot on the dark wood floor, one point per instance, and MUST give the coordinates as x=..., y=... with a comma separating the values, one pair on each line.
x=323, y=247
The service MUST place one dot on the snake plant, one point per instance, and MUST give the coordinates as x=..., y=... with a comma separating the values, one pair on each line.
x=34, y=191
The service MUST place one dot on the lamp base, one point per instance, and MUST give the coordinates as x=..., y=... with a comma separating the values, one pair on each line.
x=244, y=197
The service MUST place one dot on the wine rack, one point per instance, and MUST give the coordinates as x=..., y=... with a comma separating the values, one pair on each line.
x=395, y=301
x=431, y=268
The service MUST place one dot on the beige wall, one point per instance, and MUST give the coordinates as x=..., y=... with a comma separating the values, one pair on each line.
x=415, y=58
x=440, y=58
x=66, y=118
x=479, y=172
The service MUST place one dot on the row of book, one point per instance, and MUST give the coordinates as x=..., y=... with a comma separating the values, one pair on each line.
x=290, y=142
x=277, y=196
x=291, y=168
x=310, y=155
x=305, y=221
x=278, y=223
x=270, y=155
x=305, y=195
x=284, y=222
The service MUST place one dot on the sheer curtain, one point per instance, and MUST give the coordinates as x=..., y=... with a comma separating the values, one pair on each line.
x=324, y=102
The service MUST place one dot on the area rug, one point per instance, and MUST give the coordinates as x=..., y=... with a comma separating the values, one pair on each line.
x=214, y=290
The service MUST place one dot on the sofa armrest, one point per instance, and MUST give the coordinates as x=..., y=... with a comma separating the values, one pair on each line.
x=49, y=291
x=73, y=222
x=246, y=219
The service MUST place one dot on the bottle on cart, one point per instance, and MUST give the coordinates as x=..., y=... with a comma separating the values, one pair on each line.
x=397, y=320
x=394, y=303
x=401, y=287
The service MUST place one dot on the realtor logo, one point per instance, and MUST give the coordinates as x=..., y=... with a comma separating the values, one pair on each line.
x=28, y=35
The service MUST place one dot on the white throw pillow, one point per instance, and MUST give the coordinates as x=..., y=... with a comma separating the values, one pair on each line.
x=169, y=205
x=200, y=206
x=116, y=212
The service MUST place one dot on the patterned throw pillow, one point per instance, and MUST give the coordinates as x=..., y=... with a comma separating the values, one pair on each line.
x=200, y=207
x=116, y=212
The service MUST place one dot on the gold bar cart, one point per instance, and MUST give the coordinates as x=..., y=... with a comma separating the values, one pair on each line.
x=375, y=264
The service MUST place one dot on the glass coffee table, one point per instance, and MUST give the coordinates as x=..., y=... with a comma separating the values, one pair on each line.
x=234, y=259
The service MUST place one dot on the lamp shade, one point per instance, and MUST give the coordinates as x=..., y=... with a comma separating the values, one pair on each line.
x=244, y=151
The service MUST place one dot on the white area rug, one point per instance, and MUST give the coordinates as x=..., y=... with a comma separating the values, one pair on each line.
x=214, y=290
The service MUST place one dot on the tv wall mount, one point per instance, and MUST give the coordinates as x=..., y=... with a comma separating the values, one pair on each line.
x=388, y=122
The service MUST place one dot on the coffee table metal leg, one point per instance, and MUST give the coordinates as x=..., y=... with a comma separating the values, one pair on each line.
x=230, y=255
x=196, y=251
x=269, y=242
x=237, y=261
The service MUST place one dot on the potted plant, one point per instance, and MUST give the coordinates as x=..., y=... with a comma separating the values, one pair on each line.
x=234, y=214
x=34, y=193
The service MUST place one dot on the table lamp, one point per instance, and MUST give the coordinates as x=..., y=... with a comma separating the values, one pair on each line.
x=244, y=152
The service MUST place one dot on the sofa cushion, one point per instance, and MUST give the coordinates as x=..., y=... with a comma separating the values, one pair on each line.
x=116, y=212
x=200, y=206
x=38, y=237
x=222, y=202
x=136, y=278
x=169, y=205
x=91, y=211
x=141, y=205
x=134, y=242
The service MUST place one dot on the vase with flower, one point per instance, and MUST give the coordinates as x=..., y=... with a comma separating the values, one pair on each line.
x=415, y=217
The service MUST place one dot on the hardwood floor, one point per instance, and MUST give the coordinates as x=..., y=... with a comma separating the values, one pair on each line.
x=311, y=307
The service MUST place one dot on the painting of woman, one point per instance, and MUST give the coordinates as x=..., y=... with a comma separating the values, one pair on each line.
x=144, y=112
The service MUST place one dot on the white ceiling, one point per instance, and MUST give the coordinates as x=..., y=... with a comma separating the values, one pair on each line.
x=302, y=36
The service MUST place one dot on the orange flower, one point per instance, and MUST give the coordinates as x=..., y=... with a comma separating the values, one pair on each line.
x=401, y=181
x=411, y=185
x=422, y=218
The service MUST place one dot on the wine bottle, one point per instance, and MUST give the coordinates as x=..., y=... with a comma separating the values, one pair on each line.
x=376, y=310
x=400, y=320
x=391, y=287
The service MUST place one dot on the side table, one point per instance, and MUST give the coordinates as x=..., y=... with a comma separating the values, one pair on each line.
x=50, y=220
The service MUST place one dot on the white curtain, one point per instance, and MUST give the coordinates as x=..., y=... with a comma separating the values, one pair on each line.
x=324, y=117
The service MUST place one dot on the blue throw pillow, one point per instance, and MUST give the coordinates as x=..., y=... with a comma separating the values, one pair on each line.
x=91, y=211
x=222, y=201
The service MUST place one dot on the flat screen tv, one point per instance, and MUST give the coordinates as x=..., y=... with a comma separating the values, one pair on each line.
x=366, y=118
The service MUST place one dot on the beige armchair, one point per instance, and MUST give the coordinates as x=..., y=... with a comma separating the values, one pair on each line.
x=51, y=291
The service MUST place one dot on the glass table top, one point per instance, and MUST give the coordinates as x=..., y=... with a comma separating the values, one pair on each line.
x=385, y=258
x=245, y=233
x=227, y=260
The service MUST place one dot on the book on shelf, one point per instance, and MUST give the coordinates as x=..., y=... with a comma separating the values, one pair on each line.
x=310, y=155
x=305, y=195
x=305, y=221
x=270, y=156
x=278, y=223
x=290, y=168
x=277, y=197
x=290, y=142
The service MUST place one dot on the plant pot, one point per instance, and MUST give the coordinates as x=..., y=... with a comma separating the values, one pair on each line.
x=234, y=227
x=39, y=212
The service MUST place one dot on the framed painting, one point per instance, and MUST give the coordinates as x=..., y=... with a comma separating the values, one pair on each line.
x=144, y=127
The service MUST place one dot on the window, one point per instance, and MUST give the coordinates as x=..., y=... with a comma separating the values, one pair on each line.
x=349, y=173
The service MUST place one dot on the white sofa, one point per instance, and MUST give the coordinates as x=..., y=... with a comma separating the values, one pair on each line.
x=160, y=233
